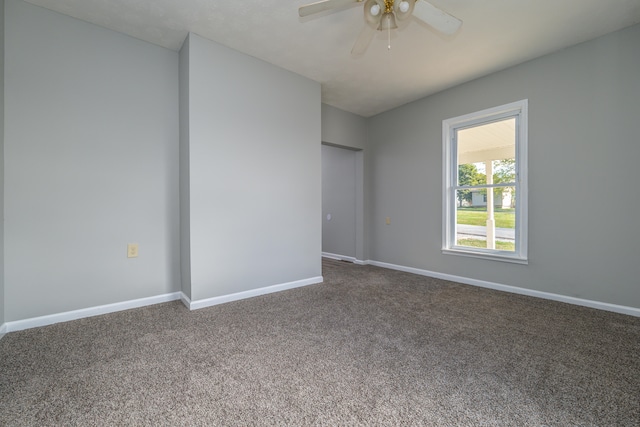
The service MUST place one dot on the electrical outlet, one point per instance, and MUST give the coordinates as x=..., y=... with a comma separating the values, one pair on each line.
x=387, y=220
x=132, y=250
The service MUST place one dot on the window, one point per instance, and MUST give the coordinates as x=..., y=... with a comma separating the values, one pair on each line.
x=485, y=184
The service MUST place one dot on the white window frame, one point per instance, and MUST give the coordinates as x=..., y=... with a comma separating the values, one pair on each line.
x=519, y=110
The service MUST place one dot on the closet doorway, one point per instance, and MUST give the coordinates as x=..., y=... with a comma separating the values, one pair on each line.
x=339, y=202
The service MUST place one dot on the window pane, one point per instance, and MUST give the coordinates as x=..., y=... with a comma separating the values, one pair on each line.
x=485, y=218
x=487, y=147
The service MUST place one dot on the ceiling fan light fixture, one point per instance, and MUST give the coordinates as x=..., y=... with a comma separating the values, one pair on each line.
x=388, y=22
x=377, y=18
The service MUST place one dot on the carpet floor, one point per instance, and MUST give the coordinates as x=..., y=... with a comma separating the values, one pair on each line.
x=369, y=346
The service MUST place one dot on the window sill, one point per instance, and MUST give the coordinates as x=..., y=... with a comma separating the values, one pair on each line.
x=493, y=256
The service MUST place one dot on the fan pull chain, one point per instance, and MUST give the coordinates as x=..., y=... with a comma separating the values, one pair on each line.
x=389, y=35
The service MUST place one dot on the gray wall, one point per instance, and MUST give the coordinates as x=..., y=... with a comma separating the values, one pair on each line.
x=90, y=165
x=584, y=103
x=339, y=201
x=1, y=162
x=254, y=172
x=342, y=128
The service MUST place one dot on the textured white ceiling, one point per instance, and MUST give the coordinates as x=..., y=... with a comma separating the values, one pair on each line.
x=495, y=34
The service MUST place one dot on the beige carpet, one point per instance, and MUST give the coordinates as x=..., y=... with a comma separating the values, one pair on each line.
x=369, y=346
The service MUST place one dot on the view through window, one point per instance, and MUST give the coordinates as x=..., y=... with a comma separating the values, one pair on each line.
x=485, y=208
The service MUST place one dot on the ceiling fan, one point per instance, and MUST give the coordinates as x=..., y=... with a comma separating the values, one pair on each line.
x=382, y=14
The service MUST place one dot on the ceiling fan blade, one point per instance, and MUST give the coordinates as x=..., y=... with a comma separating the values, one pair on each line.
x=364, y=40
x=435, y=17
x=321, y=6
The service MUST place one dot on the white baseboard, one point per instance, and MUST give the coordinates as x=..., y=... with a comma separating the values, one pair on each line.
x=185, y=300
x=35, y=322
x=343, y=258
x=632, y=311
x=338, y=257
x=208, y=302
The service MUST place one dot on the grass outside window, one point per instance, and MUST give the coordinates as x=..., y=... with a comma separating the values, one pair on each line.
x=504, y=218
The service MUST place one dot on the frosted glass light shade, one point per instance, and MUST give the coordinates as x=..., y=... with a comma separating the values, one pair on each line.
x=372, y=9
x=388, y=22
x=403, y=9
